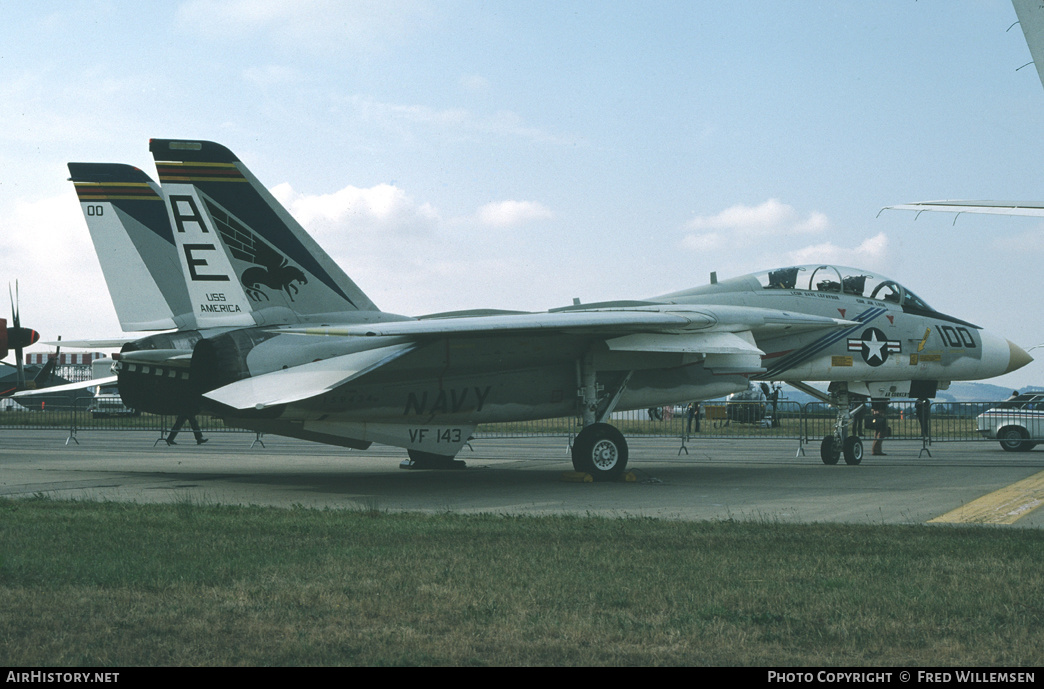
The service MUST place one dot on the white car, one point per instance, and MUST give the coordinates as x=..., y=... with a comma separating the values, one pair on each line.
x=107, y=403
x=1018, y=423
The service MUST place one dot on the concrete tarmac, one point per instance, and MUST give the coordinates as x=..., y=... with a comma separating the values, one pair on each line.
x=716, y=480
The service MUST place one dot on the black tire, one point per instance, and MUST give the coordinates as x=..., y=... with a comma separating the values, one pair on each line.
x=853, y=450
x=1013, y=439
x=829, y=450
x=601, y=451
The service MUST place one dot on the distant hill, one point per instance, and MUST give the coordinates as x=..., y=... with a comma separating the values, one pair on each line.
x=957, y=392
x=975, y=392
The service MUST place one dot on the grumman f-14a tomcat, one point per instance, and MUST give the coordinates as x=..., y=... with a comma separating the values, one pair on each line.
x=270, y=334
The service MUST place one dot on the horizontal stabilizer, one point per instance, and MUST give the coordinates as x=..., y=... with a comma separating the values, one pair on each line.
x=90, y=344
x=68, y=387
x=302, y=382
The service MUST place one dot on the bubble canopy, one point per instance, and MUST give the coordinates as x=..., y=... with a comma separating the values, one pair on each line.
x=840, y=280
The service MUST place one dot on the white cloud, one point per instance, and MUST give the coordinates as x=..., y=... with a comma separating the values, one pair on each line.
x=47, y=249
x=871, y=253
x=382, y=209
x=770, y=216
x=815, y=222
x=512, y=213
x=742, y=224
x=408, y=258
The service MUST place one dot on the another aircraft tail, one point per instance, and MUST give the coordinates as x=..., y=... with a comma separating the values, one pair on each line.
x=244, y=257
x=132, y=237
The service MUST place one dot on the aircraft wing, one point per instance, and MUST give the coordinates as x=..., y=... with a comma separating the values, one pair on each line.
x=1031, y=19
x=658, y=319
x=1029, y=208
x=724, y=334
x=68, y=387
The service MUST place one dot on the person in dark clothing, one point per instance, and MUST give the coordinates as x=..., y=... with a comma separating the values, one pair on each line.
x=693, y=414
x=858, y=413
x=878, y=423
x=923, y=407
x=181, y=422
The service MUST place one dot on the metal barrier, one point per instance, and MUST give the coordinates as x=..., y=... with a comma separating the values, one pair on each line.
x=717, y=420
x=1020, y=428
x=79, y=416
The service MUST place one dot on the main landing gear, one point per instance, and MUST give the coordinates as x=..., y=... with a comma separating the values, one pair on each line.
x=840, y=443
x=599, y=449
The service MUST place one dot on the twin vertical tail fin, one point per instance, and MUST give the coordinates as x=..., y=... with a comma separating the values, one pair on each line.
x=244, y=258
x=128, y=224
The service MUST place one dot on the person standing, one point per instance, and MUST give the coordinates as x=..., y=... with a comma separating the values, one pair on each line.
x=878, y=423
x=923, y=407
x=693, y=415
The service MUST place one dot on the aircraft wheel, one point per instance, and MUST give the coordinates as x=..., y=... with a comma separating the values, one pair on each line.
x=853, y=450
x=600, y=450
x=1013, y=439
x=829, y=450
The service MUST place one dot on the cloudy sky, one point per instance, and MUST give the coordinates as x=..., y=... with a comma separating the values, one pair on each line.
x=464, y=154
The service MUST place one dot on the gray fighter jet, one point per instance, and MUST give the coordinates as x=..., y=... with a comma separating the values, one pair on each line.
x=272, y=335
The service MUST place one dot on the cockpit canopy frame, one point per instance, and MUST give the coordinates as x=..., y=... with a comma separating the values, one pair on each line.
x=841, y=280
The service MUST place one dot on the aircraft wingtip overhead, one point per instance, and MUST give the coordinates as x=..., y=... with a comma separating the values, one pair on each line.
x=191, y=150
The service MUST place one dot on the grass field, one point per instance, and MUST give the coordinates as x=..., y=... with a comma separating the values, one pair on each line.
x=118, y=584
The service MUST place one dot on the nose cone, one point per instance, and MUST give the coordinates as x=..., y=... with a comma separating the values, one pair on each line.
x=1017, y=357
x=999, y=356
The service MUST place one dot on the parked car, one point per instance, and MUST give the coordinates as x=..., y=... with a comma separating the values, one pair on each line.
x=1018, y=423
x=107, y=404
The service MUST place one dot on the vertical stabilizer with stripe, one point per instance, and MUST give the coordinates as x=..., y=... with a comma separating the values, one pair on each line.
x=244, y=256
x=128, y=223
